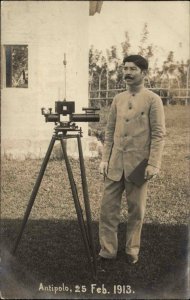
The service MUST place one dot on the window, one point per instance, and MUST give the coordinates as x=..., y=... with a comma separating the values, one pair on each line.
x=16, y=57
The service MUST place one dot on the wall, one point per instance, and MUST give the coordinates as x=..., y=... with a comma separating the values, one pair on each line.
x=50, y=29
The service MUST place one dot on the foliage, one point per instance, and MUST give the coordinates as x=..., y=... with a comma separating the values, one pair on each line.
x=105, y=71
x=19, y=65
x=144, y=49
x=126, y=45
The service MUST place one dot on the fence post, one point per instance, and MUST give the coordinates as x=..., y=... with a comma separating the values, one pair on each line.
x=107, y=86
x=187, y=84
x=168, y=97
x=99, y=83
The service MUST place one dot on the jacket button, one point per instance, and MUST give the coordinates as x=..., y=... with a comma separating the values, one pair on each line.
x=125, y=134
x=127, y=120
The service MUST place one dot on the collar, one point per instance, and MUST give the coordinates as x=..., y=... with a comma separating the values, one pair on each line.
x=136, y=89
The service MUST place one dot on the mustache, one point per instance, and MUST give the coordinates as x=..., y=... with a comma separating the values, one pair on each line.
x=128, y=77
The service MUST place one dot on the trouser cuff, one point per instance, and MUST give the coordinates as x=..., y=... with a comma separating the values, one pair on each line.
x=105, y=255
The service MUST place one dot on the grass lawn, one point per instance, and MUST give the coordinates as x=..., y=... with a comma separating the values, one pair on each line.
x=51, y=252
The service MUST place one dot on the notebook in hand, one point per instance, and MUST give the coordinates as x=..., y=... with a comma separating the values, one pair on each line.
x=137, y=175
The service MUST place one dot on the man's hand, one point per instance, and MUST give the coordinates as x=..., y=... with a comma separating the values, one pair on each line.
x=150, y=172
x=103, y=168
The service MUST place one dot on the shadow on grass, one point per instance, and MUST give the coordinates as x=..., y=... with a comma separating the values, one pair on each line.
x=51, y=253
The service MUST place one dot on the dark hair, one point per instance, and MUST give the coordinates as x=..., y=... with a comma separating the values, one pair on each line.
x=138, y=60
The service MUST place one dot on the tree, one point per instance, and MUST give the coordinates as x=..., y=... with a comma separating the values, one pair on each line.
x=106, y=72
x=170, y=57
x=19, y=65
x=145, y=49
x=126, y=45
x=97, y=69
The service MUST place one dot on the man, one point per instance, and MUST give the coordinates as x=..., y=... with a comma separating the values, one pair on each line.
x=135, y=131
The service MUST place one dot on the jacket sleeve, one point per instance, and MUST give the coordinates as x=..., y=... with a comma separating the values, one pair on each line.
x=157, y=126
x=109, y=133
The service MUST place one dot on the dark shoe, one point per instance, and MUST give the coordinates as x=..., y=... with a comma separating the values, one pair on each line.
x=132, y=259
x=103, y=263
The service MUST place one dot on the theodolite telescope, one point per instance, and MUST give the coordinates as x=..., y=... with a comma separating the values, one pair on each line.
x=64, y=108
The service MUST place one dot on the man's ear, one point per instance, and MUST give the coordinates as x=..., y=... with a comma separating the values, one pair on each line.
x=144, y=72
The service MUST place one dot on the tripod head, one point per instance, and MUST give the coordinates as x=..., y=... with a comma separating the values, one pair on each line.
x=64, y=108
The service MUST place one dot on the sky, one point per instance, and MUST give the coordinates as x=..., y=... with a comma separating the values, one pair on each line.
x=168, y=25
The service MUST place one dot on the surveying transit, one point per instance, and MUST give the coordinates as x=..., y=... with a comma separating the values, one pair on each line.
x=63, y=131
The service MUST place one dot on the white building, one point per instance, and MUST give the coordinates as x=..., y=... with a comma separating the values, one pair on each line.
x=49, y=29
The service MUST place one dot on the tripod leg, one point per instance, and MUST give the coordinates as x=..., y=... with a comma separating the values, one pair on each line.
x=34, y=192
x=86, y=202
x=77, y=203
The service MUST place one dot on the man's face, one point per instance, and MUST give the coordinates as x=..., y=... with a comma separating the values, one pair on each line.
x=133, y=74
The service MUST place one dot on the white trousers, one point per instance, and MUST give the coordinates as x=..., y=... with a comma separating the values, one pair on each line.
x=110, y=216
